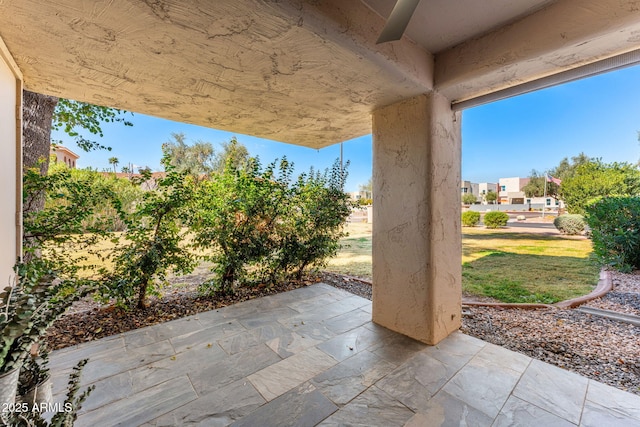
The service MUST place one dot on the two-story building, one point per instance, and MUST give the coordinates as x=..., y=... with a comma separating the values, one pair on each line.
x=64, y=155
x=478, y=189
x=468, y=187
x=510, y=190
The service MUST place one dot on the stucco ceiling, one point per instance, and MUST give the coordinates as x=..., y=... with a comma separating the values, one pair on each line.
x=303, y=72
x=441, y=24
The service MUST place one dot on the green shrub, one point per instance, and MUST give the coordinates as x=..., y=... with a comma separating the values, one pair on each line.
x=101, y=190
x=69, y=226
x=570, y=224
x=258, y=227
x=468, y=199
x=235, y=221
x=495, y=219
x=615, y=231
x=154, y=242
x=470, y=218
x=318, y=209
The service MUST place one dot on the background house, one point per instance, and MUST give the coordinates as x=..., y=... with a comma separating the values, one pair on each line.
x=468, y=187
x=548, y=202
x=478, y=189
x=511, y=193
x=484, y=188
x=64, y=155
x=360, y=195
x=510, y=190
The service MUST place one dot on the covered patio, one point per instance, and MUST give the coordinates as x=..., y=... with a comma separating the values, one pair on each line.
x=311, y=73
x=312, y=356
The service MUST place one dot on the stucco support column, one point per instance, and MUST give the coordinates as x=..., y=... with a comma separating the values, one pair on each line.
x=416, y=218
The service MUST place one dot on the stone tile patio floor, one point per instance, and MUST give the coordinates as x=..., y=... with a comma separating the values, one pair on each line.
x=312, y=356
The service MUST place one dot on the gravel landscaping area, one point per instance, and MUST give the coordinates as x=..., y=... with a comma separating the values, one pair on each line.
x=605, y=350
x=602, y=349
x=625, y=296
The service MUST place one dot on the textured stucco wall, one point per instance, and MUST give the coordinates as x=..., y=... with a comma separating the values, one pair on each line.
x=307, y=73
x=416, y=223
x=9, y=135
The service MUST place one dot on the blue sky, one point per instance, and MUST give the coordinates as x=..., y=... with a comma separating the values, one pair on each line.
x=599, y=116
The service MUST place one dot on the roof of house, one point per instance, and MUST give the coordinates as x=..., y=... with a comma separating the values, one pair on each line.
x=61, y=149
x=154, y=175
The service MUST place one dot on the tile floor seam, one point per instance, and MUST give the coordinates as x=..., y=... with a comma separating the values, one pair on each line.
x=584, y=401
x=615, y=411
x=393, y=398
x=192, y=386
x=178, y=407
x=552, y=413
x=172, y=346
x=534, y=405
x=266, y=401
x=155, y=385
x=81, y=412
x=516, y=386
x=340, y=406
x=454, y=374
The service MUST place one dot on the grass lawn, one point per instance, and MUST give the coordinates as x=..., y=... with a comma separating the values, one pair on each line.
x=510, y=267
x=354, y=258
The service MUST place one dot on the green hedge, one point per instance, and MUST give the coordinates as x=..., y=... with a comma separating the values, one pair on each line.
x=495, y=219
x=470, y=218
x=615, y=231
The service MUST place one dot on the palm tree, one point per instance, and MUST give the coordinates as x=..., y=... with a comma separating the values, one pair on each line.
x=114, y=161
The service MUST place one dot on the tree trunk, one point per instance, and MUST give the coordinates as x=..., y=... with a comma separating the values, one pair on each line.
x=37, y=114
x=142, y=294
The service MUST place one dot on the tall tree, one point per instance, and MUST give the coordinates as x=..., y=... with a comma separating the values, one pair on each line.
x=234, y=152
x=195, y=159
x=566, y=168
x=42, y=113
x=114, y=162
x=37, y=117
x=202, y=158
x=536, y=186
x=597, y=179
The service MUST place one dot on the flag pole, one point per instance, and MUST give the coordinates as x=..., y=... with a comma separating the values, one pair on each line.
x=544, y=201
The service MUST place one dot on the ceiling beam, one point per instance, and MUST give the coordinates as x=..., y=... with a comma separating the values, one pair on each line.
x=356, y=27
x=565, y=35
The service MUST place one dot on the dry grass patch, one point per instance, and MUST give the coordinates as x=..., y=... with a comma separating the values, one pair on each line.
x=354, y=257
